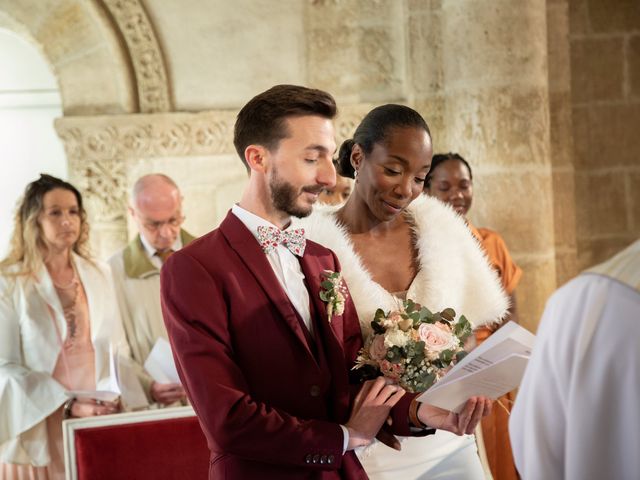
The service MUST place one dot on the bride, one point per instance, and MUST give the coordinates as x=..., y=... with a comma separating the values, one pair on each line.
x=395, y=243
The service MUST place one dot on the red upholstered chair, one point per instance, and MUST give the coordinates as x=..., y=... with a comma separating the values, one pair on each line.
x=156, y=444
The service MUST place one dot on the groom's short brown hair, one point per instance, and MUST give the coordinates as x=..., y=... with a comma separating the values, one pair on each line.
x=262, y=120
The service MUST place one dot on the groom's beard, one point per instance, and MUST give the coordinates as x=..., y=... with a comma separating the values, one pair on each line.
x=284, y=196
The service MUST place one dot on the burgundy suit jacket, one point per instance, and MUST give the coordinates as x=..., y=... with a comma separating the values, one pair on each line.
x=269, y=404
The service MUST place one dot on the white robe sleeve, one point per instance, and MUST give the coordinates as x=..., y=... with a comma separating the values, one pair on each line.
x=577, y=415
x=27, y=397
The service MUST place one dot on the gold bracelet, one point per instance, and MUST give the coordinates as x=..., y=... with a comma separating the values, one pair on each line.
x=413, y=414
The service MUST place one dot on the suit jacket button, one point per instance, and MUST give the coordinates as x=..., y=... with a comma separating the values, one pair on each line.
x=330, y=459
x=316, y=457
x=307, y=459
x=323, y=459
x=314, y=391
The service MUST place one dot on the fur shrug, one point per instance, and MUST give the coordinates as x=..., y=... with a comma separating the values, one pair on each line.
x=454, y=271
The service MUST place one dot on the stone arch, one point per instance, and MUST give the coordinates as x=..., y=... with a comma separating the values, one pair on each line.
x=104, y=53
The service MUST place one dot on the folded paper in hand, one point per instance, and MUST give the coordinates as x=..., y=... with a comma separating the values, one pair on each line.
x=491, y=370
x=121, y=382
x=160, y=364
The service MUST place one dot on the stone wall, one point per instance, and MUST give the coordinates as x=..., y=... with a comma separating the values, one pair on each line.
x=560, y=134
x=542, y=97
x=605, y=86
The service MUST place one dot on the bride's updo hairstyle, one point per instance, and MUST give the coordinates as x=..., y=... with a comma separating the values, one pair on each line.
x=374, y=128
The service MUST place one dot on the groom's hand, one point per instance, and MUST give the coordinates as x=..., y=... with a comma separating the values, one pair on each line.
x=370, y=409
x=463, y=423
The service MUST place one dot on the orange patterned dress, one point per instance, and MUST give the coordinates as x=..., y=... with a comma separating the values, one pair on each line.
x=495, y=427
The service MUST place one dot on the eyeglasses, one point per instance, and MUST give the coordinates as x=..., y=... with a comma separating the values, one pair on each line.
x=173, y=222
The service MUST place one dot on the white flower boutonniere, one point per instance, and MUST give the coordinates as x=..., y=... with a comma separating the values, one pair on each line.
x=333, y=293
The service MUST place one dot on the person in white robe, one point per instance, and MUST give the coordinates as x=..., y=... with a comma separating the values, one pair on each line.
x=156, y=211
x=451, y=271
x=576, y=416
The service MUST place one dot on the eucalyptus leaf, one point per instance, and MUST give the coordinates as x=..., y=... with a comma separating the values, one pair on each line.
x=409, y=305
x=425, y=312
x=379, y=314
x=446, y=356
x=429, y=380
x=460, y=355
x=327, y=285
x=448, y=313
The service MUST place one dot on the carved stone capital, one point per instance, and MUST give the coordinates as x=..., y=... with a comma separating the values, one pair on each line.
x=102, y=152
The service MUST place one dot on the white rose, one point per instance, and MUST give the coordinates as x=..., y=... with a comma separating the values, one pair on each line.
x=395, y=338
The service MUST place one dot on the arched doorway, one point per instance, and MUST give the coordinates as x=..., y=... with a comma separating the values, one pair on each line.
x=29, y=103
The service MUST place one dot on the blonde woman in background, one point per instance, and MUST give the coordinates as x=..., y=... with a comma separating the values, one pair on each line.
x=58, y=316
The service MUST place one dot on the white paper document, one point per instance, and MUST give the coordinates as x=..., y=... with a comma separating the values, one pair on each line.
x=494, y=368
x=122, y=381
x=160, y=364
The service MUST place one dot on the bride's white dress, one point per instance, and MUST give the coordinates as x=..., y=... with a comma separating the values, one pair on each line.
x=454, y=272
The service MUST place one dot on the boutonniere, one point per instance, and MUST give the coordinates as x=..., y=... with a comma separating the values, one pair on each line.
x=333, y=293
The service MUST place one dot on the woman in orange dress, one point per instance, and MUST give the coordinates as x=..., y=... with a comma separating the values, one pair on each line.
x=58, y=317
x=450, y=180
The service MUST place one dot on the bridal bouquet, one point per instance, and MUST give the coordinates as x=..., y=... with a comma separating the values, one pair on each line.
x=413, y=346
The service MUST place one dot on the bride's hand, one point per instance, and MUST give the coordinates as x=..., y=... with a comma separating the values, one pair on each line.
x=463, y=423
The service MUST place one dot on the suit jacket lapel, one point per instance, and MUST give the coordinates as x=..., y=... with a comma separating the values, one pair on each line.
x=246, y=246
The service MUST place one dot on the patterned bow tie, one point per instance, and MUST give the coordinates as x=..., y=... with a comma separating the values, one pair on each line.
x=271, y=237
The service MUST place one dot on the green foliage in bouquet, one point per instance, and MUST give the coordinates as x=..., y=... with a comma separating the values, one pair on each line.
x=414, y=346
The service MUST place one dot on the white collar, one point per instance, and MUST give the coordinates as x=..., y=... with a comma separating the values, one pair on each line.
x=251, y=220
x=151, y=250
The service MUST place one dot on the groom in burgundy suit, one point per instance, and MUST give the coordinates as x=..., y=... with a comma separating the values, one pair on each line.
x=264, y=367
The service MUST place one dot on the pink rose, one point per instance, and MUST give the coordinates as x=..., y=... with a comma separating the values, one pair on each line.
x=377, y=350
x=445, y=327
x=391, y=370
x=437, y=337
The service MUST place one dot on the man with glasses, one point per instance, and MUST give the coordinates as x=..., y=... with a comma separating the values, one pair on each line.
x=156, y=210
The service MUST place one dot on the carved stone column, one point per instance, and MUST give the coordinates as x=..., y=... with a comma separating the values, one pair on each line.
x=496, y=92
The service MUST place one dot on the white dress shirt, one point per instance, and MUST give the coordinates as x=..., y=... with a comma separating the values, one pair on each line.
x=285, y=265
